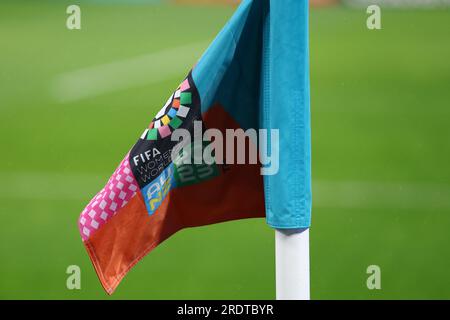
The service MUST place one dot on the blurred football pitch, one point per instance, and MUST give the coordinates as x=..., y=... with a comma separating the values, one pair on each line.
x=381, y=150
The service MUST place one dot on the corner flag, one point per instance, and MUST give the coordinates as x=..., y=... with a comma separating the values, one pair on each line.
x=254, y=76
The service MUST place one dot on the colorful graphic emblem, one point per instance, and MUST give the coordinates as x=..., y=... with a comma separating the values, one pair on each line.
x=173, y=114
x=151, y=157
x=152, y=153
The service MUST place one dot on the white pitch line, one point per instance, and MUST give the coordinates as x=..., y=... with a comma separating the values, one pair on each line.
x=50, y=186
x=326, y=194
x=367, y=194
x=123, y=74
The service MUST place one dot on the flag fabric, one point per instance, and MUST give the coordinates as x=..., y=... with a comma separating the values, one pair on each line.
x=255, y=74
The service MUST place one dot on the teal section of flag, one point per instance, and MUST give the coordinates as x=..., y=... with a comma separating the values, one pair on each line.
x=257, y=68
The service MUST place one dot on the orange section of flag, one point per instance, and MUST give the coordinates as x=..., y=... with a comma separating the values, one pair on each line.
x=127, y=237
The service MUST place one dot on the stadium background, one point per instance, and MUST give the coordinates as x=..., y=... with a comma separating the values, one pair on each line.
x=380, y=116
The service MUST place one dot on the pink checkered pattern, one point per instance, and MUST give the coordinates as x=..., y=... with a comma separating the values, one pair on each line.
x=120, y=188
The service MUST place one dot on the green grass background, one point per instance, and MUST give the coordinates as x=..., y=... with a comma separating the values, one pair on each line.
x=381, y=174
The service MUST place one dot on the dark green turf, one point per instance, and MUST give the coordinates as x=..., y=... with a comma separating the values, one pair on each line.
x=380, y=155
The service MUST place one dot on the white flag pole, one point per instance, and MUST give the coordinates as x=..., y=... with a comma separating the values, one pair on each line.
x=292, y=264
